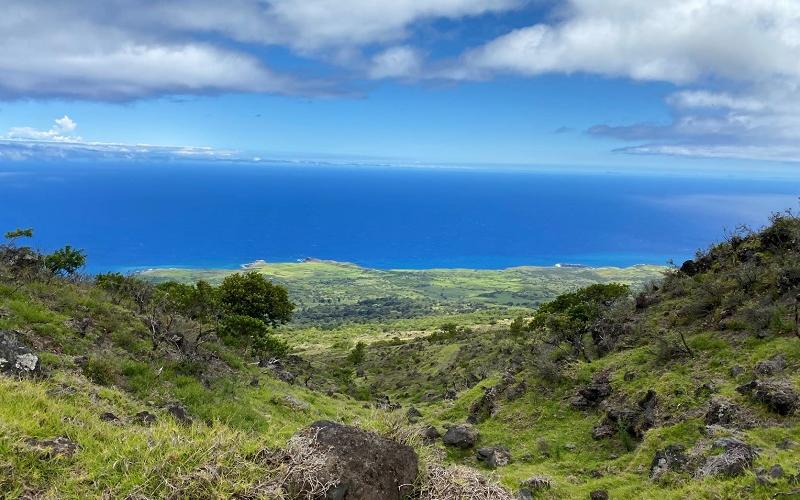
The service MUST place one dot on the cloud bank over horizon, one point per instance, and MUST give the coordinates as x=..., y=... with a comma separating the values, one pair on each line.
x=732, y=65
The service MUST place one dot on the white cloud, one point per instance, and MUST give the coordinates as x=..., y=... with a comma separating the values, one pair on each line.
x=402, y=61
x=61, y=131
x=678, y=41
x=127, y=49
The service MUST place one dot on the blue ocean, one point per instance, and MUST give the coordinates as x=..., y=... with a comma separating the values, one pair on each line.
x=134, y=215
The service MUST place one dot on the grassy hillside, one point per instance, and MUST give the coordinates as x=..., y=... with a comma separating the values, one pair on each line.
x=585, y=393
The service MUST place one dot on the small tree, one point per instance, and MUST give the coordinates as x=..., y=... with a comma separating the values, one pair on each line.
x=356, y=356
x=19, y=233
x=65, y=261
x=251, y=294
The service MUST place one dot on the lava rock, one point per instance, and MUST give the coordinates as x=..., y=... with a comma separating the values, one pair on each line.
x=533, y=486
x=144, y=418
x=769, y=367
x=598, y=495
x=363, y=465
x=430, y=434
x=179, y=413
x=515, y=391
x=494, y=456
x=722, y=412
x=672, y=458
x=635, y=420
x=736, y=371
x=778, y=396
x=591, y=395
x=108, y=417
x=15, y=357
x=736, y=458
x=413, y=415
x=461, y=436
x=776, y=471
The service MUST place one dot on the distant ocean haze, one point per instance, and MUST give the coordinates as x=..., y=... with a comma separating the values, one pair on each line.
x=134, y=215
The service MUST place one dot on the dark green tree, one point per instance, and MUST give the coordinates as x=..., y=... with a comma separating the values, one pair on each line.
x=65, y=261
x=251, y=294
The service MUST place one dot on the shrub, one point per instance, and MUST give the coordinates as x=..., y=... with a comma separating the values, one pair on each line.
x=65, y=261
x=101, y=371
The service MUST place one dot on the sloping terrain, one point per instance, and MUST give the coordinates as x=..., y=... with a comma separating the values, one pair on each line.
x=682, y=388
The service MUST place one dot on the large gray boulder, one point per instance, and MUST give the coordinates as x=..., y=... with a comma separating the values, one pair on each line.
x=15, y=357
x=360, y=465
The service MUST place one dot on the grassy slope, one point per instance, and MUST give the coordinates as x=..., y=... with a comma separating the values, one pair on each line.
x=545, y=435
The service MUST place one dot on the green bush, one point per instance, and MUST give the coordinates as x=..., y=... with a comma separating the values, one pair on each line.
x=101, y=371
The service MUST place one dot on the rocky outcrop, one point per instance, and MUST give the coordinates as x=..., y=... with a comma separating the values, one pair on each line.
x=672, y=458
x=771, y=366
x=16, y=358
x=724, y=412
x=358, y=464
x=461, y=436
x=593, y=394
x=635, y=420
x=778, y=395
x=493, y=456
x=533, y=486
x=737, y=457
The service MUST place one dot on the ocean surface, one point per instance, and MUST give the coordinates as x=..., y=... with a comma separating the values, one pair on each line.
x=132, y=215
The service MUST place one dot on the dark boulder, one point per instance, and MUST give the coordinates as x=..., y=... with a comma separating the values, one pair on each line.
x=635, y=420
x=179, y=413
x=776, y=471
x=413, y=415
x=778, y=396
x=362, y=465
x=534, y=485
x=430, y=434
x=598, y=495
x=493, y=456
x=108, y=417
x=771, y=366
x=15, y=357
x=672, y=458
x=593, y=394
x=515, y=391
x=737, y=457
x=461, y=436
x=144, y=418
x=484, y=407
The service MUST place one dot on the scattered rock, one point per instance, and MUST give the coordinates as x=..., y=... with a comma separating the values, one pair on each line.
x=769, y=367
x=705, y=390
x=726, y=413
x=737, y=457
x=362, y=465
x=776, y=471
x=484, y=407
x=53, y=447
x=108, y=417
x=736, y=371
x=450, y=394
x=15, y=357
x=533, y=486
x=461, y=436
x=80, y=361
x=179, y=413
x=634, y=420
x=779, y=396
x=144, y=418
x=430, y=434
x=413, y=415
x=629, y=376
x=598, y=495
x=254, y=382
x=494, y=456
x=785, y=444
x=277, y=369
x=80, y=326
x=515, y=391
x=292, y=402
x=672, y=458
x=591, y=395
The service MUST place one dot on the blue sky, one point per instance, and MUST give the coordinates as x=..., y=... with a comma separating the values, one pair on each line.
x=677, y=84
